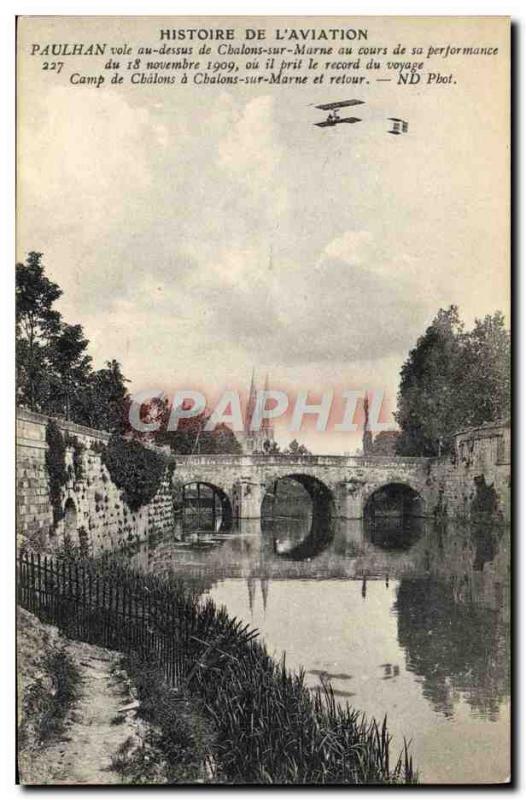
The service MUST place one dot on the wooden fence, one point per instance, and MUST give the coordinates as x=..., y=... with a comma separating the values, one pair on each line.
x=124, y=615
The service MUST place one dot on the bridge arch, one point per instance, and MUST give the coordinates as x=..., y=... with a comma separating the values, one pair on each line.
x=393, y=499
x=320, y=494
x=320, y=528
x=393, y=516
x=192, y=490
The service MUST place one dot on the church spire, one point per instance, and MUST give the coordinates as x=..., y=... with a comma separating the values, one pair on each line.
x=367, y=439
x=251, y=405
x=267, y=424
x=259, y=441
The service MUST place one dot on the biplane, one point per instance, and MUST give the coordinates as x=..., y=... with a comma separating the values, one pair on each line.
x=333, y=109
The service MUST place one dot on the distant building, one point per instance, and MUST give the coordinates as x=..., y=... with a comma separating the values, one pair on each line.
x=384, y=443
x=485, y=446
x=367, y=437
x=260, y=441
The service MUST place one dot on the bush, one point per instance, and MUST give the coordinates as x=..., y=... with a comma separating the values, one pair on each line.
x=56, y=468
x=134, y=469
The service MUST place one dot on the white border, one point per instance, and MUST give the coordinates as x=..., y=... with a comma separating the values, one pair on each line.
x=9, y=9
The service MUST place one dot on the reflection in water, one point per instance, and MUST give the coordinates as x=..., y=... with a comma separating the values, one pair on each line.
x=394, y=533
x=456, y=647
x=408, y=619
x=394, y=501
x=310, y=530
x=289, y=540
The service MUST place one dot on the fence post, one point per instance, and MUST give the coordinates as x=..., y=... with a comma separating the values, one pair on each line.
x=89, y=618
x=104, y=615
x=125, y=622
x=45, y=586
x=39, y=583
x=19, y=581
x=77, y=600
x=32, y=592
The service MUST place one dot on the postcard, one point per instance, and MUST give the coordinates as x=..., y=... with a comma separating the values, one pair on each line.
x=263, y=400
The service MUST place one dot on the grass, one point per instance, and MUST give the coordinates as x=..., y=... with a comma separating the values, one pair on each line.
x=49, y=698
x=271, y=729
x=177, y=740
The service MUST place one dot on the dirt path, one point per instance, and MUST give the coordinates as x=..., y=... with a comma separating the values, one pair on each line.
x=91, y=737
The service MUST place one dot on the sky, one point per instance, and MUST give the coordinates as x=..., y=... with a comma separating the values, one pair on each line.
x=198, y=233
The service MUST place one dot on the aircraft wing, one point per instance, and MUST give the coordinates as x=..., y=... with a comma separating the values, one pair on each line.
x=341, y=104
x=332, y=123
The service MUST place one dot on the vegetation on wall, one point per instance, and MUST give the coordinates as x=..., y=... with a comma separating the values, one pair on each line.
x=56, y=468
x=135, y=469
x=78, y=451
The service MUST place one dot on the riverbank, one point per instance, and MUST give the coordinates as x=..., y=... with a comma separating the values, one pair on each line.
x=76, y=710
x=208, y=687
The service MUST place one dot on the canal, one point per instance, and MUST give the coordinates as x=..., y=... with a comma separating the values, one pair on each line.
x=402, y=617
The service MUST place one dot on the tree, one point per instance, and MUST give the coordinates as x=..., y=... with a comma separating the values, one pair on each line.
x=487, y=371
x=135, y=469
x=191, y=436
x=453, y=379
x=36, y=323
x=72, y=369
x=106, y=400
x=427, y=406
x=270, y=447
x=54, y=372
x=297, y=449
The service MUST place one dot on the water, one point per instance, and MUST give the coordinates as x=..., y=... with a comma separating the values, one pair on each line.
x=411, y=621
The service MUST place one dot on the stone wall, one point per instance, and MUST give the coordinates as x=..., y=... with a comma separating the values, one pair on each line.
x=95, y=513
x=34, y=515
x=478, y=472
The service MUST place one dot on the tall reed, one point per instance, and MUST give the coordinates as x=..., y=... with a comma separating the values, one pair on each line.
x=270, y=727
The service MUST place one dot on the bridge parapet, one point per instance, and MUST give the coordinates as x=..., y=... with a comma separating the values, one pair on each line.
x=285, y=459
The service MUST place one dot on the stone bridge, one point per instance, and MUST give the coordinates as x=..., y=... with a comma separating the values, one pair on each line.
x=475, y=477
x=345, y=483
